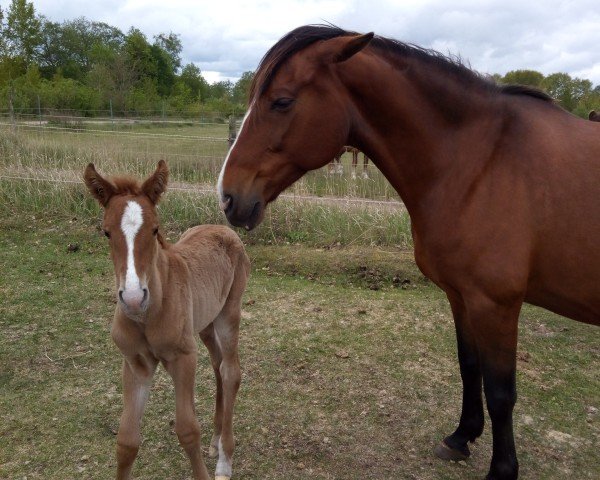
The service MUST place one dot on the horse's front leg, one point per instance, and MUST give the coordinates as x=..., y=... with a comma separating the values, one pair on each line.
x=183, y=371
x=137, y=378
x=496, y=328
x=454, y=447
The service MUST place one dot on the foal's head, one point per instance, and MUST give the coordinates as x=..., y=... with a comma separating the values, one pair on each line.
x=131, y=225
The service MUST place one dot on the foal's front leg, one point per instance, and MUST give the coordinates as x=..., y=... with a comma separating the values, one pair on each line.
x=183, y=371
x=137, y=377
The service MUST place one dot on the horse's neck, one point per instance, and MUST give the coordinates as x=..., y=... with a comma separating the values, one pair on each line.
x=415, y=132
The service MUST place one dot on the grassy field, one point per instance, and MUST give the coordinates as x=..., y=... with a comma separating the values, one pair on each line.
x=194, y=152
x=348, y=357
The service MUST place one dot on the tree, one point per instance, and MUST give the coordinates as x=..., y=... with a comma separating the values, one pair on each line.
x=241, y=90
x=524, y=77
x=138, y=53
x=22, y=31
x=568, y=91
x=171, y=44
x=193, y=79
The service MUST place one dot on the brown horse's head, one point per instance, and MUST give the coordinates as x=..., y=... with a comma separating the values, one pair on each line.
x=131, y=225
x=281, y=137
x=594, y=116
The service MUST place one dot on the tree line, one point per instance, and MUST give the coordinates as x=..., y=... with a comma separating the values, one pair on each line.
x=90, y=66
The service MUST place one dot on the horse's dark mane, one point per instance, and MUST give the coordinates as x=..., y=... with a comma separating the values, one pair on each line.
x=304, y=36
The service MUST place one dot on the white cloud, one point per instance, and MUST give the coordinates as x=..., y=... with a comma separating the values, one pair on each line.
x=494, y=36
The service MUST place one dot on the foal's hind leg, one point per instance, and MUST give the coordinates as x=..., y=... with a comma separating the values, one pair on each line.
x=227, y=325
x=208, y=337
x=454, y=447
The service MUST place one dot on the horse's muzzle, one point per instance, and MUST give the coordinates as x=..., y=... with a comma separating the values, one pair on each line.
x=134, y=301
x=240, y=212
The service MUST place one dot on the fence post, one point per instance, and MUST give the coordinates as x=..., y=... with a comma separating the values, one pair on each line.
x=112, y=120
x=232, y=130
x=11, y=107
x=39, y=109
x=163, y=111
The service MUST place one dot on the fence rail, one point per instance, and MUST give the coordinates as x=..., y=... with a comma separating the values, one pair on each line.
x=195, y=152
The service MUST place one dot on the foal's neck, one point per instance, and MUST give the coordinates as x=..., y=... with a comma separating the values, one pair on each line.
x=418, y=125
x=157, y=281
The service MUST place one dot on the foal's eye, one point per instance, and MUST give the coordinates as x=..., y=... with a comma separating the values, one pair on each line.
x=155, y=231
x=106, y=233
x=282, y=104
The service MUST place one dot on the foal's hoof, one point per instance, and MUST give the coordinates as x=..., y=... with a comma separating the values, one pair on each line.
x=444, y=452
x=222, y=477
x=213, y=452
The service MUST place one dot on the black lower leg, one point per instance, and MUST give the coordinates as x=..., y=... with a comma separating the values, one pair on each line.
x=501, y=395
x=471, y=419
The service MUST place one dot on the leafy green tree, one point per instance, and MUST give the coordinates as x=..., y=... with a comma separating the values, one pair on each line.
x=22, y=32
x=138, y=53
x=241, y=90
x=195, y=82
x=524, y=77
x=568, y=91
x=171, y=44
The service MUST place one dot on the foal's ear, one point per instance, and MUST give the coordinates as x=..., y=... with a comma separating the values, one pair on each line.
x=156, y=184
x=101, y=189
x=340, y=49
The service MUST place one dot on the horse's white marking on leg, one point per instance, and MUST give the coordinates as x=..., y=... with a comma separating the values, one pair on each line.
x=131, y=222
x=224, y=468
x=220, y=182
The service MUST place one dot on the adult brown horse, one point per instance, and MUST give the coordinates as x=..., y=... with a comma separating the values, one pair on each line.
x=502, y=187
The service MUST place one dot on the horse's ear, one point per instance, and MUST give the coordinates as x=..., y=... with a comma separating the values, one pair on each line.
x=156, y=184
x=340, y=49
x=100, y=188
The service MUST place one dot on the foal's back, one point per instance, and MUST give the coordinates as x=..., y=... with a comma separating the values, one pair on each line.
x=214, y=256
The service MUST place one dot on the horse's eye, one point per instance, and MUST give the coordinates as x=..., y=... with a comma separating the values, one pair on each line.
x=282, y=104
x=106, y=233
x=155, y=231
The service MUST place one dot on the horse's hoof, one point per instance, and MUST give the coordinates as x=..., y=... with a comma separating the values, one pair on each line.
x=213, y=452
x=222, y=477
x=444, y=452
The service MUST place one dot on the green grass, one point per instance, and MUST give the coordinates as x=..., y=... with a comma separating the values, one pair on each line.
x=304, y=411
x=194, y=152
x=286, y=221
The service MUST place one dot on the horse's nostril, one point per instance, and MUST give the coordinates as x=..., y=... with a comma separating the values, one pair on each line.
x=227, y=203
x=121, y=296
x=145, y=290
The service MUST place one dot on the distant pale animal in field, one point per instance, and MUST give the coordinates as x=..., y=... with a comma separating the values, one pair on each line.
x=336, y=164
x=166, y=294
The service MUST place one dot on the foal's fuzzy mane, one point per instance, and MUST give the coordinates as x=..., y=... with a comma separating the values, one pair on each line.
x=126, y=186
x=304, y=36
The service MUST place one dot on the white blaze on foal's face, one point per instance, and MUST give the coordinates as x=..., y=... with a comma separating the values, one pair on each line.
x=131, y=222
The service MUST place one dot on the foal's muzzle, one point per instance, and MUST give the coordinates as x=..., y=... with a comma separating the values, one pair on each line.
x=241, y=212
x=135, y=300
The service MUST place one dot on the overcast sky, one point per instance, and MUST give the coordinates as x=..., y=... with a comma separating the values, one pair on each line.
x=226, y=38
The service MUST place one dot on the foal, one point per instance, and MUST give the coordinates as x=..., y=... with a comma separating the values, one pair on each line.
x=166, y=295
